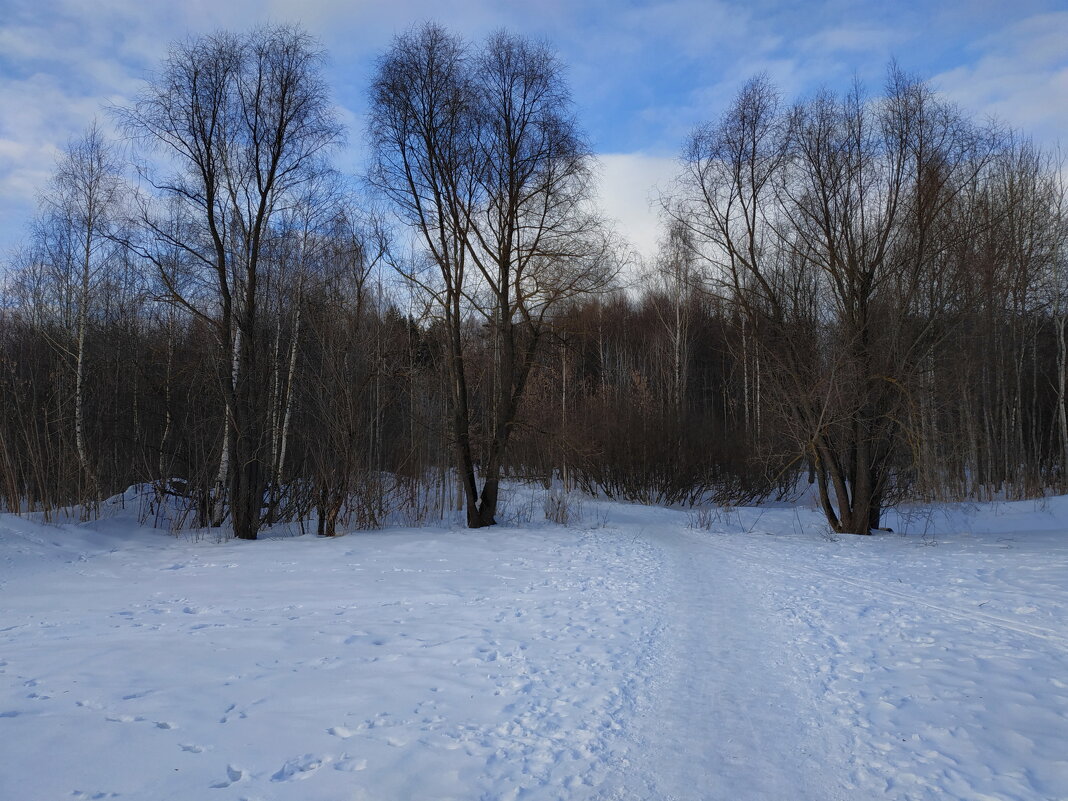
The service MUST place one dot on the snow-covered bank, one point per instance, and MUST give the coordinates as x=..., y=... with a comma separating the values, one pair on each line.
x=643, y=659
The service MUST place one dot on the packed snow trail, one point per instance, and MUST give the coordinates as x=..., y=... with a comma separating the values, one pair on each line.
x=638, y=660
x=726, y=715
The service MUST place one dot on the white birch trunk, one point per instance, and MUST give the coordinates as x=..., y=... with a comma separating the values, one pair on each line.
x=218, y=510
x=288, y=413
x=1062, y=367
x=79, y=373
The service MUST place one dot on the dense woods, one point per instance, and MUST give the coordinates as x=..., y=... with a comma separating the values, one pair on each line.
x=866, y=294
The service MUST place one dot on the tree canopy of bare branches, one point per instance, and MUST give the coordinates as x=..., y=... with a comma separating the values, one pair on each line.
x=478, y=151
x=837, y=228
x=246, y=121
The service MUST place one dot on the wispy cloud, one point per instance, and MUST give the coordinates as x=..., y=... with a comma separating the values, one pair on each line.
x=867, y=39
x=1020, y=75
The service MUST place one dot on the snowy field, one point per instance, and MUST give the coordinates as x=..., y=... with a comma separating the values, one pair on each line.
x=638, y=655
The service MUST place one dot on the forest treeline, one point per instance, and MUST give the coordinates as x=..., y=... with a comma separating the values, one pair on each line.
x=862, y=293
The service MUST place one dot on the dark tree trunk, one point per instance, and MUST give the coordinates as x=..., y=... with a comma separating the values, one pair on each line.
x=487, y=507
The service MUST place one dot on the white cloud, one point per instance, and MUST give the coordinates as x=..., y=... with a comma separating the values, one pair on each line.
x=39, y=117
x=629, y=194
x=1020, y=76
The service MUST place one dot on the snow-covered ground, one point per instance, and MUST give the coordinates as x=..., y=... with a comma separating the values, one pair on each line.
x=640, y=658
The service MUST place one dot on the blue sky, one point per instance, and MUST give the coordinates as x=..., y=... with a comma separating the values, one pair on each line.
x=642, y=73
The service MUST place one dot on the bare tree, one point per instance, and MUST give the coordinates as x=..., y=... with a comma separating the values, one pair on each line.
x=343, y=346
x=479, y=153
x=676, y=275
x=246, y=120
x=832, y=226
x=420, y=129
x=74, y=241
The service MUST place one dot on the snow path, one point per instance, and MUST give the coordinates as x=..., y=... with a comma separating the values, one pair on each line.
x=735, y=720
x=640, y=661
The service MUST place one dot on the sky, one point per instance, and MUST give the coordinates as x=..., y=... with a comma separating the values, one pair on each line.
x=643, y=74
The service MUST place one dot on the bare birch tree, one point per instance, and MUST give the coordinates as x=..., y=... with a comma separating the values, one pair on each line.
x=74, y=238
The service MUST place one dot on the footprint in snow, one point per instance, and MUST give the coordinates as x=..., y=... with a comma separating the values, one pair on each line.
x=233, y=775
x=338, y=731
x=350, y=764
x=299, y=768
